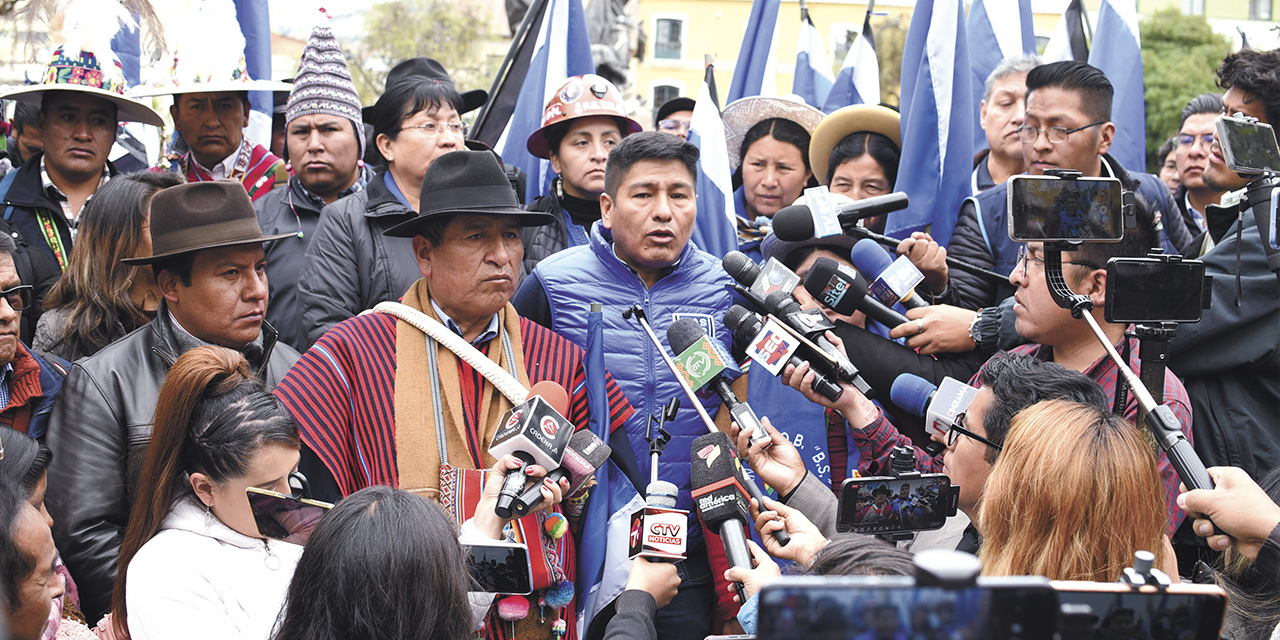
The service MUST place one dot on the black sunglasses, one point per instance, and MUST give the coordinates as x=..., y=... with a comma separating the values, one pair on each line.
x=19, y=297
x=957, y=428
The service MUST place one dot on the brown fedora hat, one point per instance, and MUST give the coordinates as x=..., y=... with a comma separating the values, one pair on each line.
x=202, y=215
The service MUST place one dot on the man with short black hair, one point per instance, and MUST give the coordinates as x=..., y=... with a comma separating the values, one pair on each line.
x=27, y=140
x=1230, y=360
x=1194, y=144
x=640, y=254
x=211, y=271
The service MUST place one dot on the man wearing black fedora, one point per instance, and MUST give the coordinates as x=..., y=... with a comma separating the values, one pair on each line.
x=209, y=264
x=410, y=396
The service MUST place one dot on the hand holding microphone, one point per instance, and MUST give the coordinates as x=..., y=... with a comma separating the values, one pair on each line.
x=939, y=328
x=485, y=518
x=806, y=539
x=929, y=257
x=844, y=291
x=535, y=432
x=895, y=280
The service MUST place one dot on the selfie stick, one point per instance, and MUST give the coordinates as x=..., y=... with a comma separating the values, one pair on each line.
x=638, y=312
x=659, y=442
x=1158, y=417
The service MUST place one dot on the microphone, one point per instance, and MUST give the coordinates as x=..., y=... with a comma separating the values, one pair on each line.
x=773, y=349
x=813, y=325
x=585, y=453
x=717, y=490
x=796, y=222
x=684, y=334
x=773, y=276
x=895, y=280
x=536, y=432
x=938, y=405
x=659, y=530
x=844, y=291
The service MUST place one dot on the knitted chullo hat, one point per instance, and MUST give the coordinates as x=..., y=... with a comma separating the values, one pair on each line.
x=323, y=84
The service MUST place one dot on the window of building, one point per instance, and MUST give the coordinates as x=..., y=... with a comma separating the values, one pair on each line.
x=1260, y=9
x=664, y=92
x=1193, y=7
x=668, y=41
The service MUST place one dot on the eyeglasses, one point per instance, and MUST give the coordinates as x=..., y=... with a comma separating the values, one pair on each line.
x=1024, y=257
x=957, y=428
x=19, y=297
x=1056, y=135
x=432, y=128
x=671, y=124
x=1186, y=140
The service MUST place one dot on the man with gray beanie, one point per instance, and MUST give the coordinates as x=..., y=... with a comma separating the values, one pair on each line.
x=325, y=140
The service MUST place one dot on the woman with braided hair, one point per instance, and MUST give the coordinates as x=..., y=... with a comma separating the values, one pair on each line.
x=193, y=563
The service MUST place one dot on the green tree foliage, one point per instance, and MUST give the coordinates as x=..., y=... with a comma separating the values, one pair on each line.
x=1179, y=56
x=450, y=32
x=891, y=38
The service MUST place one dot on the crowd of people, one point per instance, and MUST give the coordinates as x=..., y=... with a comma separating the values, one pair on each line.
x=350, y=319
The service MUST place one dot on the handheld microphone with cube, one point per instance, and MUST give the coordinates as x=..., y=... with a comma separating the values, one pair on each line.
x=535, y=432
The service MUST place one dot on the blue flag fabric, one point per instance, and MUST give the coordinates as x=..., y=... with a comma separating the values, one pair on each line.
x=563, y=51
x=997, y=29
x=255, y=22
x=603, y=564
x=1117, y=51
x=859, y=79
x=813, y=64
x=715, y=230
x=937, y=121
x=757, y=46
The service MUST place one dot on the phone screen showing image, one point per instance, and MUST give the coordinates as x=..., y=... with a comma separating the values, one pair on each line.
x=281, y=517
x=1050, y=209
x=500, y=567
x=891, y=505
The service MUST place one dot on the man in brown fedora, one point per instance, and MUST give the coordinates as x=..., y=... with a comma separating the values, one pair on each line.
x=375, y=397
x=209, y=264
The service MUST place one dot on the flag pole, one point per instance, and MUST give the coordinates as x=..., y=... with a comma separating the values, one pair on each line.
x=521, y=33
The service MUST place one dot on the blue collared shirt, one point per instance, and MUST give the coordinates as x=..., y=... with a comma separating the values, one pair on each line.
x=6, y=379
x=486, y=336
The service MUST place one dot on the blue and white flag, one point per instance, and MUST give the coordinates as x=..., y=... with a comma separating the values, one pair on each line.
x=937, y=121
x=997, y=29
x=563, y=50
x=1070, y=39
x=255, y=24
x=859, y=79
x=753, y=74
x=1117, y=51
x=603, y=562
x=813, y=63
x=715, y=227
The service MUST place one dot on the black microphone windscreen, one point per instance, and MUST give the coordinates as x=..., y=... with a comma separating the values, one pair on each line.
x=793, y=223
x=781, y=303
x=743, y=323
x=839, y=290
x=683, y=333
x=715, y=477
x=741, y=268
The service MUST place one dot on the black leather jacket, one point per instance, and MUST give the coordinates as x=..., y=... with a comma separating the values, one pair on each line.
x=99, y=430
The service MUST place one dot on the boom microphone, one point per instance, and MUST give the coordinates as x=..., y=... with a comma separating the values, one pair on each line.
x=895, y=280
x=938, y=405
x=748, y=329
x=717, y=483
x=583, y=455
x=681, y=335
x=535, y=432
x=844, y=291
x=797, y=222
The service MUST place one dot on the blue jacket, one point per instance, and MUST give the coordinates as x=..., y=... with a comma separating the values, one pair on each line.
x=558, y=294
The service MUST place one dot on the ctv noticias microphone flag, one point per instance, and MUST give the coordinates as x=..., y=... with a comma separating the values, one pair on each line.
x=859, y=79
x=603, y=561
x=255, y=24
x=937, y=121
x=1070, y=39
x=753, y=74
x=715, y=228
x=561, y=49
x=813, y=63
x=997, y=29
x=1117, y=51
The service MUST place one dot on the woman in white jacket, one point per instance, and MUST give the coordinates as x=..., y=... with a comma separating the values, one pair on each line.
x=193, y=564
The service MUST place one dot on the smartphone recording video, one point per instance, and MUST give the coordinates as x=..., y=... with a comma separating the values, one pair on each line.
x=500, y=567
x=1091, y=610
x=282, y=517
x=887, y=505
x=1248, y=147
x=1050, y=209
x=863, y=607
x=1154, y=290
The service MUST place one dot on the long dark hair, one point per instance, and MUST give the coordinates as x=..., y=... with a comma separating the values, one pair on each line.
x=407, y=97
x=95, y=286
x=782, y=130
x=857, y=144
x=383, y=564
x=25, y=460
x=212, y=416
x=1253, y=603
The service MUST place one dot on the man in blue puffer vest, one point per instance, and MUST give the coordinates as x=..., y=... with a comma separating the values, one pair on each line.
x=640, y=254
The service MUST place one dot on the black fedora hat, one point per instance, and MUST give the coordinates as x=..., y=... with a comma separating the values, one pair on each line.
x=467, y=182
x=422, y=69
x=202, y=215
